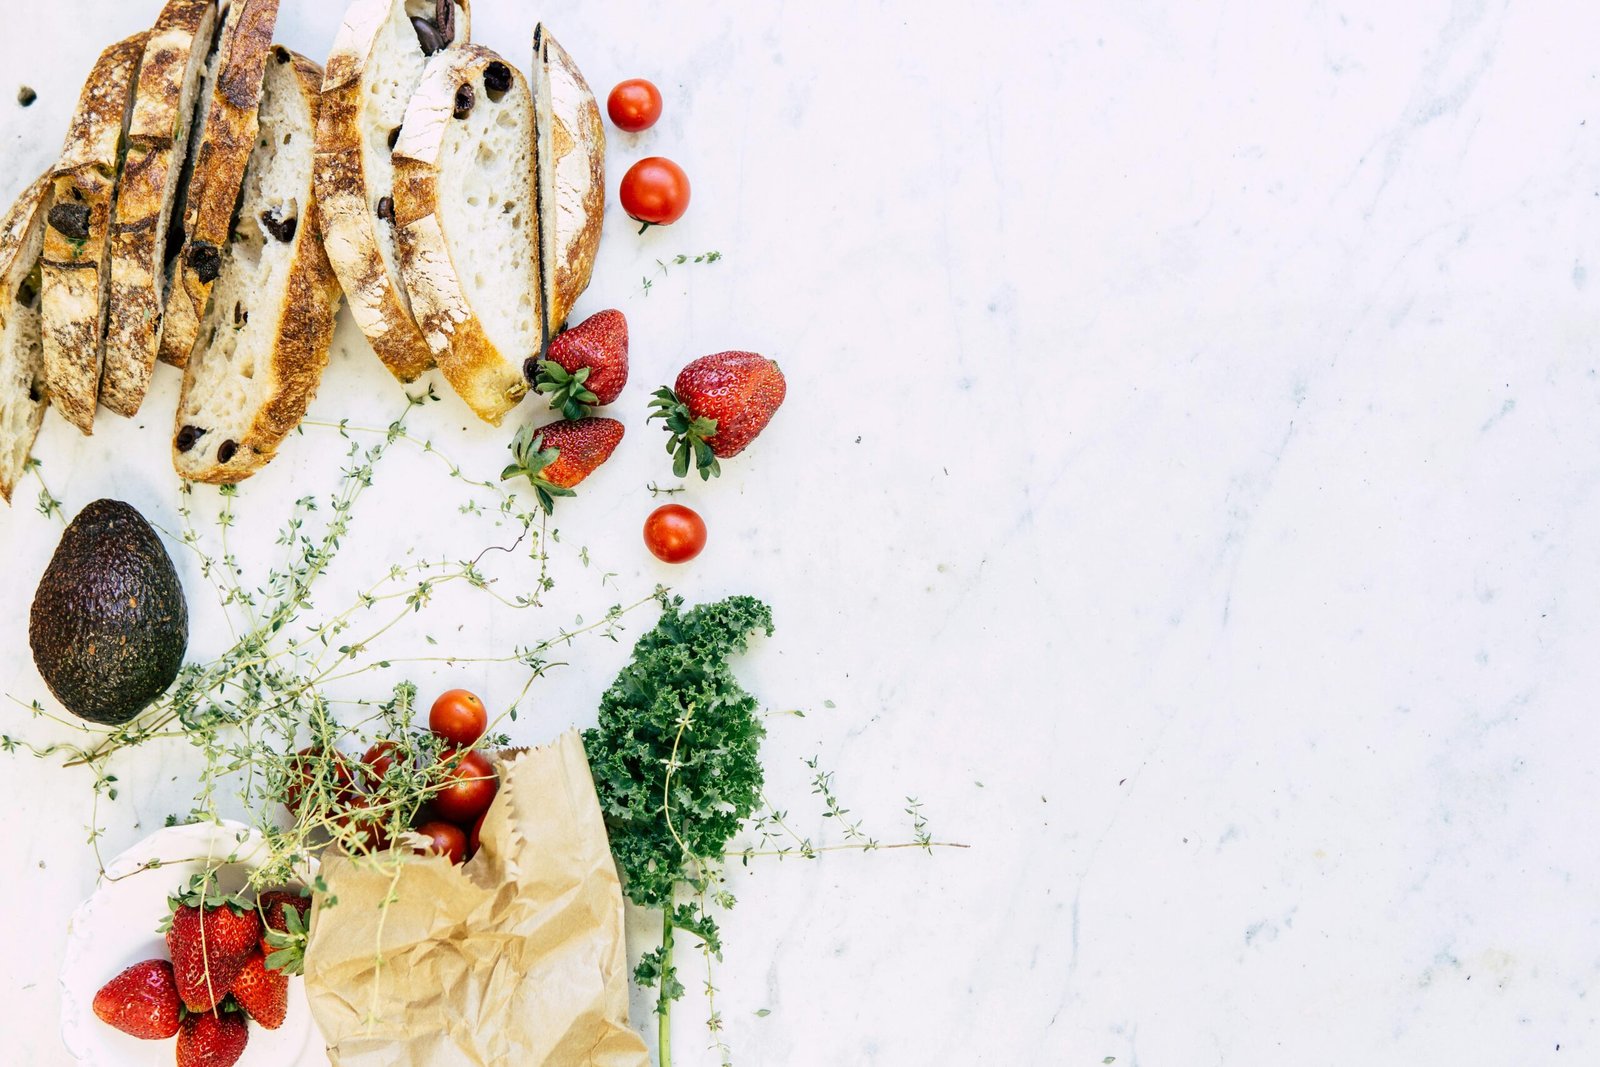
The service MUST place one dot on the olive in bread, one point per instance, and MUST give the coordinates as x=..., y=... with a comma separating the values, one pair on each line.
x=22, y=392
x=376, y=64
x=170, y=78
x=75, y=272
x=467, y=226
x=265, y=337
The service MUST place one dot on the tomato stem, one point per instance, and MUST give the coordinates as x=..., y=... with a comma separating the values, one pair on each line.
x=645, y=226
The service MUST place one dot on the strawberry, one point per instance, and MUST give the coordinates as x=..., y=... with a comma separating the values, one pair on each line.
x=142, y=1001
x=717, y=406
x=212, y=1039
x=209, y=939
x=275, y=906
x=262, y=992
x=587, y=364
x=559, y=455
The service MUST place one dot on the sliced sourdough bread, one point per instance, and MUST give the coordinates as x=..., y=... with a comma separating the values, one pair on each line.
x=225, y=148
x=22, y=391
x=265, y=337
x=571, y=177
x=170, y=77
x=467, y=224
x=75, y=272
x=376, y=64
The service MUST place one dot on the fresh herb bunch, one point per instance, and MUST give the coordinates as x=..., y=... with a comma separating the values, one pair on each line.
x=676, y=759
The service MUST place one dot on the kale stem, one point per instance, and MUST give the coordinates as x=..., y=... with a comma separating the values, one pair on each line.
x=664, y=1008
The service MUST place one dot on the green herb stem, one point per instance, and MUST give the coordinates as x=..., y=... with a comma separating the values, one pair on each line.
x=664, y=1007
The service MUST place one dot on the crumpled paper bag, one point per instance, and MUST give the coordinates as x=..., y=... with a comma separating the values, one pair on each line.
x=517, y=958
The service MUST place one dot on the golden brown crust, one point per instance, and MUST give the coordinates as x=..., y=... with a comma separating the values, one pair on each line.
x=489, y=382
x=575, y=127
x=230, y=137
x=306, y=318
x=157, y=142
x=377, y=303
x=75, y=274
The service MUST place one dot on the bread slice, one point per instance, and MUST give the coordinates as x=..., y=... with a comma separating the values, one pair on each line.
x=75, y=274
x=170, y=76
x=266, y=335
x=467, y=226
x=571, y=178
x=376, y=64
x=225, y=148
x=22, y=392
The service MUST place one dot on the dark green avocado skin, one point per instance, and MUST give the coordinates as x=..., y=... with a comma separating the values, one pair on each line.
x=109, y=625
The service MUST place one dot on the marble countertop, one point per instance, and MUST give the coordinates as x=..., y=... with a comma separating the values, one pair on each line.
x=1187, y=490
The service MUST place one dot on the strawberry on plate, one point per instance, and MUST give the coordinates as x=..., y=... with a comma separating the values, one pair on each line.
x=262, y=992
x=275, y=906
x=557, y=456
x=142, y=1001
x=585, y=365
x=209, y=939
x=717, y=407
x=212, y=1039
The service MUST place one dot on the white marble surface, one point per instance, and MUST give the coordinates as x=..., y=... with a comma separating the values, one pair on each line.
x=1187, y=488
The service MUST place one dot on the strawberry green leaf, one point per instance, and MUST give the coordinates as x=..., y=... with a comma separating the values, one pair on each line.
x=689, y=436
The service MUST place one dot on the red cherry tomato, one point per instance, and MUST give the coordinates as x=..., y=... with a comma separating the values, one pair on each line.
x=655, y=191
x=458, y=717
x=378, y=760
x=634, y=105
x=319, y=773
x=674, y=533
x=469, y=789
x=477, y=832
x=444, y=839
x=371, y=832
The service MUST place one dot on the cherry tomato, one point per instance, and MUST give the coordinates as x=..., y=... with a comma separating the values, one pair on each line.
x=634, y=105
x=371, y=831
x=378, y=761
x=458, y=717
x=655, y=191
x=445, y=839
x=317, y=772
x=674, y=533
x=477, y=831
x=469, y=788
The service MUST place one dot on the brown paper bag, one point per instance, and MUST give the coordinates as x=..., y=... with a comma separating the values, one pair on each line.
x=517, y=958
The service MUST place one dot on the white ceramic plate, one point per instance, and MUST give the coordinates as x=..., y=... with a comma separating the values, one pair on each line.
x=116, y=928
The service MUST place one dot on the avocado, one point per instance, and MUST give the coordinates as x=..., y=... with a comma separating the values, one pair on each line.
x=109, y=625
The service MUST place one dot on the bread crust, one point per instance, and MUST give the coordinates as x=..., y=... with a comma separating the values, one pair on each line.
x=577, y=157
x=157, y=143
x=303, y=337
x=17, y=232
x=230, y=137
x=378, y=302
x=488, y=381
x=75, y=272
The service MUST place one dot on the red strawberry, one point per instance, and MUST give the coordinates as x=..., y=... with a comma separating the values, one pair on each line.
x=262, y=992
x=587, y=364
x=142, y=1001
x=209, y=943
x=274, y=905
x=212, y=1039
x=717, y=407
x=559, y=455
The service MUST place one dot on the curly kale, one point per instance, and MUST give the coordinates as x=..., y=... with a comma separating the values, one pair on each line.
x=676, y=762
